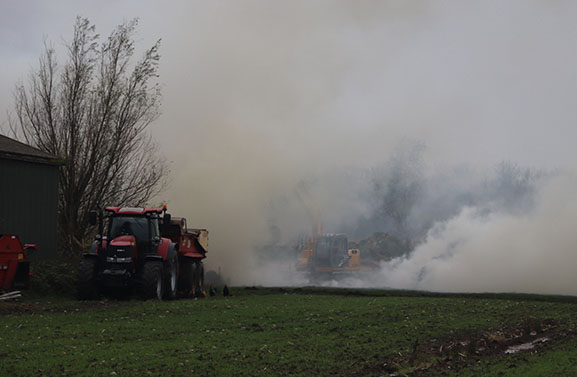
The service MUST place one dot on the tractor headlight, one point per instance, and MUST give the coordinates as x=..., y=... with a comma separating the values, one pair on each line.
x=118, y=260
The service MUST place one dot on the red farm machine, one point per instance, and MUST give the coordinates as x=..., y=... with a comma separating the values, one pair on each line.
x=14, y=263
x=143, y=250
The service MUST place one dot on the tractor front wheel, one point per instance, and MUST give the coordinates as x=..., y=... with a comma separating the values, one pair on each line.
x=87, y=288
x=152, y=286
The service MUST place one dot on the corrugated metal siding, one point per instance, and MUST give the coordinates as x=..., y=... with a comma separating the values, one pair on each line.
x=29, y=202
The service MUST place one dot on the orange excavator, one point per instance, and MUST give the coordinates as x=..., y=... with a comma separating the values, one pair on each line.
x=326, y=254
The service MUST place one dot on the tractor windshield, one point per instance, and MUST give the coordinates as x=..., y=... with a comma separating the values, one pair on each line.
x=137, y=226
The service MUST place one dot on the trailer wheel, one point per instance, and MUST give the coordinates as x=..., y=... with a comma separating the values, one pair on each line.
x=171, y=273
x=199, y=280
x=186, y=277
x=152, y=284
x=87, y=288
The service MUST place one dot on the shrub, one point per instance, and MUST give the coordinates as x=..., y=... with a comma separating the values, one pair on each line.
x=54, y=276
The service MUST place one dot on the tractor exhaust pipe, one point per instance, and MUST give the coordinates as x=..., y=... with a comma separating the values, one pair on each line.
x=100, y=223
x=95, y=217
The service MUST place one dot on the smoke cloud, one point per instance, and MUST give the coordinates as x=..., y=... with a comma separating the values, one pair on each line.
x=477, y=252
x=507, y=231
x=262, y=97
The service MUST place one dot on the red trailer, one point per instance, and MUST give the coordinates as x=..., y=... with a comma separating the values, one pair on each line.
x=192, y=249
x=14, y=262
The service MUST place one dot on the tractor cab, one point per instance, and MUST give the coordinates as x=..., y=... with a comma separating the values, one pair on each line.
x=128, y=227
x=142, y=230
x=127, y=238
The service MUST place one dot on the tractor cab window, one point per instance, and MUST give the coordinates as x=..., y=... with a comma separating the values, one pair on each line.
x=154, y=232
x=129, y=226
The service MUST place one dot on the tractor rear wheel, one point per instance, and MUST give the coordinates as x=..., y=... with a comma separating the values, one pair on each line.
x=171, y=277
x=152, y=286
x=87, y=288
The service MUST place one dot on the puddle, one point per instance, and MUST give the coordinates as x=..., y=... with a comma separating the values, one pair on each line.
x=525, y=346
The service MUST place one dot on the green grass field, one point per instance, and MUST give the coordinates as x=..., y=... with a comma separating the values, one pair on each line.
x=281, y=332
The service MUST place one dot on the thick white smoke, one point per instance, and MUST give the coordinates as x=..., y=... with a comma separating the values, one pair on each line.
x=532, y=252
x=513, y=231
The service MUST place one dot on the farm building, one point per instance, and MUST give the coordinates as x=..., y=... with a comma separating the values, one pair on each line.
x=28, y=194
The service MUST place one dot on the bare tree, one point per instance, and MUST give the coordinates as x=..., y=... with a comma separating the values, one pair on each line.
x=93, y=112
x=512, y=187
x=399, y=187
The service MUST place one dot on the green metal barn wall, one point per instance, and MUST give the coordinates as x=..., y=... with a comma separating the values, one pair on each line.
x=29, y=203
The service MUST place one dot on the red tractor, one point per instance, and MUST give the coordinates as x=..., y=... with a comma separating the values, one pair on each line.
x=141, y=250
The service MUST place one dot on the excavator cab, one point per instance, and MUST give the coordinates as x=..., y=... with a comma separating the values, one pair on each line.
x=330, y=250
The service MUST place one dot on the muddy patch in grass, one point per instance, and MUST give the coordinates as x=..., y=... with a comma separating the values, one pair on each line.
x=437, y=357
